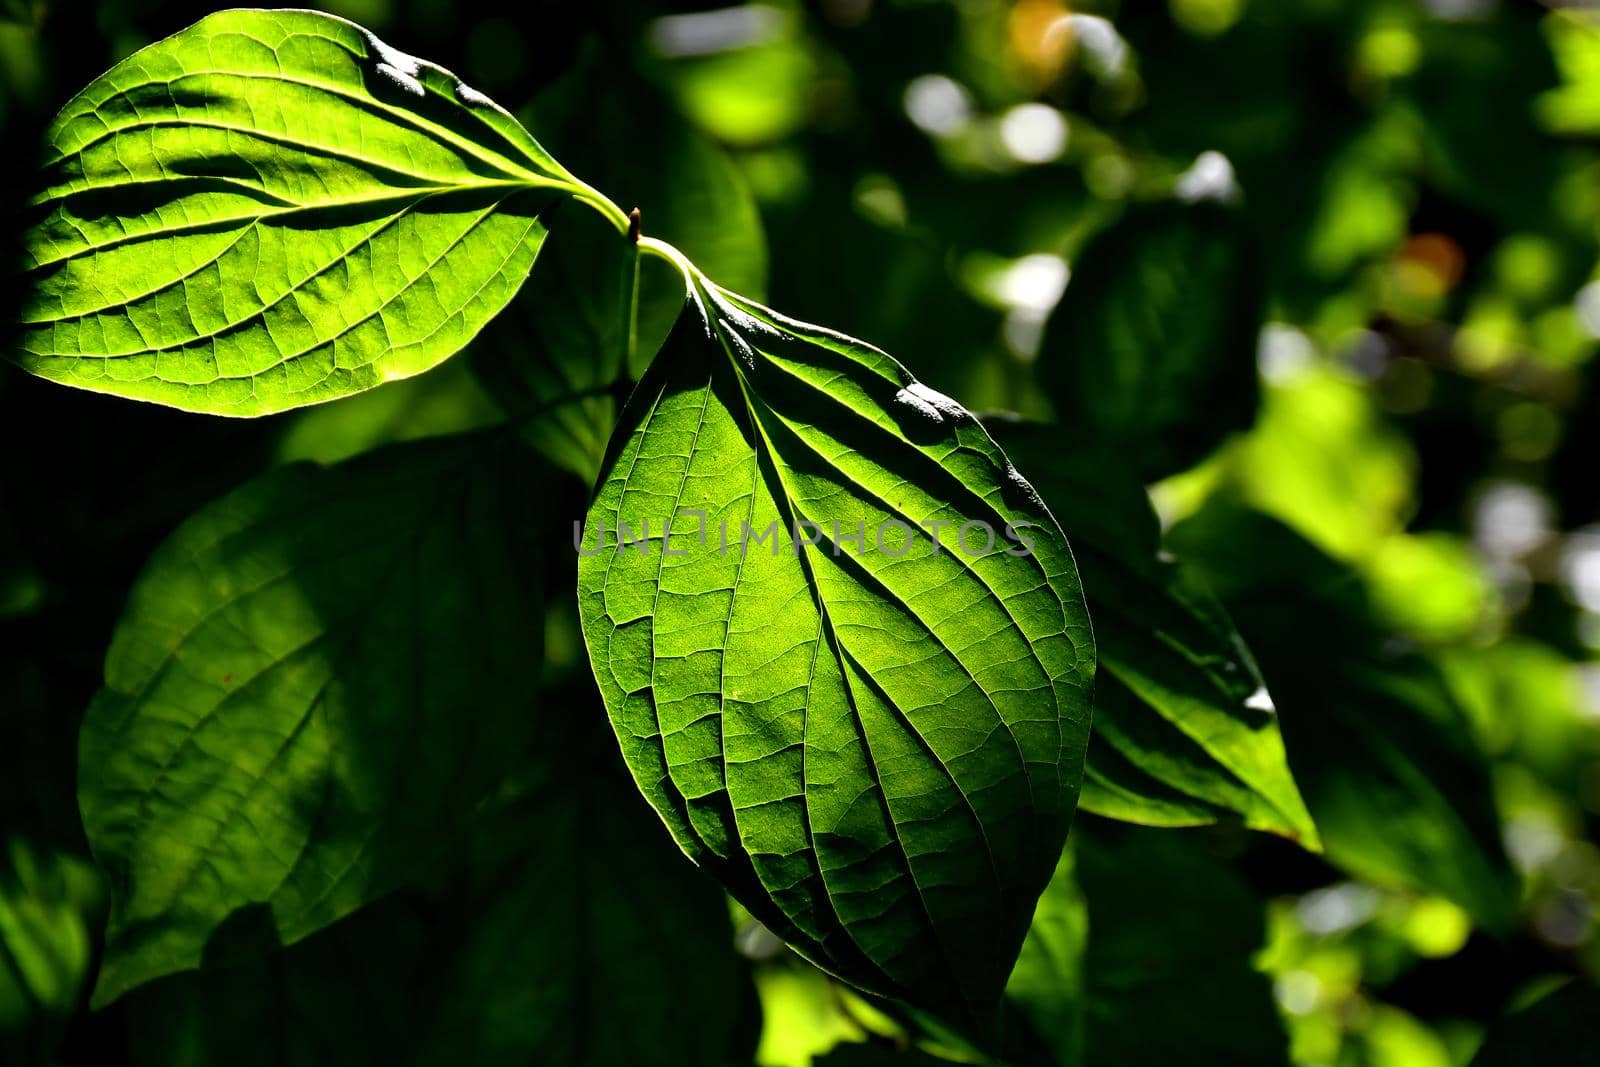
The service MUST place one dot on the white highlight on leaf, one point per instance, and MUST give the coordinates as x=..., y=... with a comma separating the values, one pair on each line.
x=1298, y=992
x=1580, y=568
x=1104, y=51
x=1025, y=485
x=938, y=105
x=397, y=66
x=1283, y=353
x=1210, y=178
x=705, y=33
x=1260, y=700
x=1034, y=282
x=471, y=97
x=1337, y=908
x=1588, y=307
x=930, y=402
x=1510, y=520
x=1034, y=133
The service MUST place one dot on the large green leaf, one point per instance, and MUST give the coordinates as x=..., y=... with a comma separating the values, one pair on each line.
x=877, y=747
x=1183, y=731
x=1152, y=349
x=1141, y=953
x=314, y=680
x=1380, y=748
x=575, y=935
x=271, y=209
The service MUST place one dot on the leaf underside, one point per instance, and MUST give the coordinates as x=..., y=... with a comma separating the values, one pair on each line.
x=313, y=683
x=272, y=209
x=878, y=750
x=1184, y=734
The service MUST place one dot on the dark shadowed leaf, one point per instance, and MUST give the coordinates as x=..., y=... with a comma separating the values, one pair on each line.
x=877, y=746
x=1183, y=731
x=272, y=209
x=1382, y=752
x=591, y=940
x=576, y=936
x=313, y=682
x=1161, y=973
x=1151, y=352
x=1047, y=992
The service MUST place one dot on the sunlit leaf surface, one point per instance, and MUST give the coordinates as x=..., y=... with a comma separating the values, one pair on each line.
x=877, y=746
x=271, y=209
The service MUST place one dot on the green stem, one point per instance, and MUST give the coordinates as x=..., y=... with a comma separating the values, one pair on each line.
x=662, y=250
x=630, y=306
x=613, y=214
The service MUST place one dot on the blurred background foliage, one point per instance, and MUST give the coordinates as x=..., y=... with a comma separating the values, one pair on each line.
x=1323, y=274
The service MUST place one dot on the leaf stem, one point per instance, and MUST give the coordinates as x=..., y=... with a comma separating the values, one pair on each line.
x=630, y=298
x=662, y=250
x=588, y=194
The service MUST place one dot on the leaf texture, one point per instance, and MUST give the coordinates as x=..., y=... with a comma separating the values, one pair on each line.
x=272, y=209
x=1380, y=747
x=314, y=681
x=878, y=747
x=571, y=911
x=1185, y=733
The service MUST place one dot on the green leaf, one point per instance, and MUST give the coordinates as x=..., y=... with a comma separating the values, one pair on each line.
x=1564, y=1026
x=1141, y=953
x=1184, y=733
x=1152, y=350
x=575, y=936
x=1379, y=746
x=314, y=681
x=609, y=924
x=877, y=747
x=272, y=209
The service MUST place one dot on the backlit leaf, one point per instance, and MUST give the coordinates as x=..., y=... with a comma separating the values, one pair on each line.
x=272, y=209
x=876, y=745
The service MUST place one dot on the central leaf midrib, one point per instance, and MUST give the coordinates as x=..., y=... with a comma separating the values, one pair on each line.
x=417, y=193
x=783, y=500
